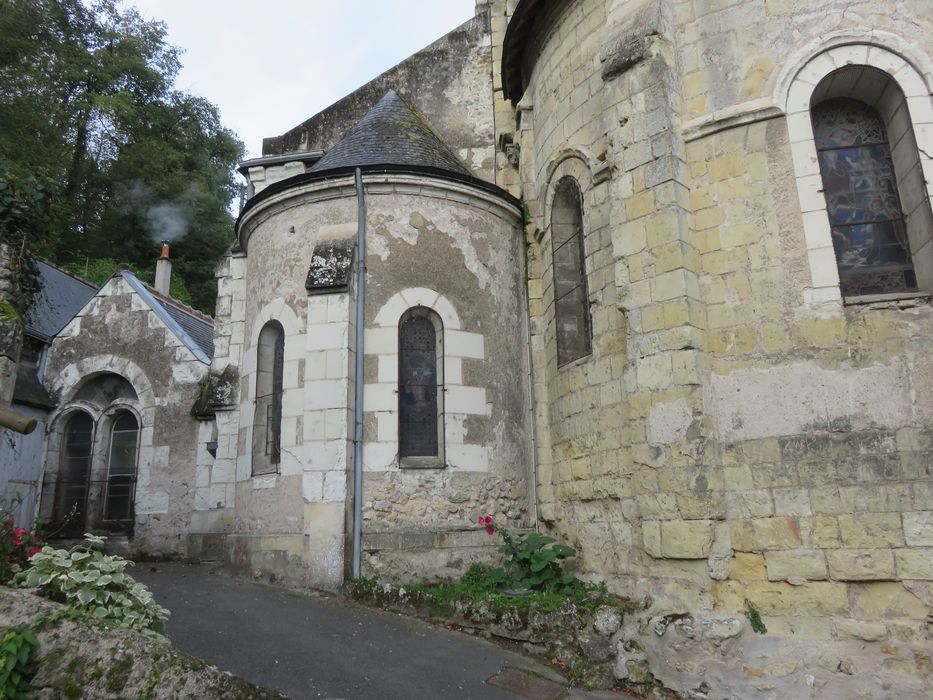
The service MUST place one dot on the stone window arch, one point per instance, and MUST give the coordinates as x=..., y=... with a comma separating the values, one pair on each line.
x=421, y=389
x=832, y=86
x=267, y=422
x=571, y=297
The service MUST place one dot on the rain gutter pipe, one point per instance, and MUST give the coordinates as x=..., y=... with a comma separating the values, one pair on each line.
x=358, y=380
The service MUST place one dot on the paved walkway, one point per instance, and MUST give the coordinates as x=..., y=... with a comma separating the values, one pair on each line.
x=323, y=647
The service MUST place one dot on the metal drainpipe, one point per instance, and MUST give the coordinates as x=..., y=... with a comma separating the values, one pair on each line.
x=358, y=406
x=531, y=398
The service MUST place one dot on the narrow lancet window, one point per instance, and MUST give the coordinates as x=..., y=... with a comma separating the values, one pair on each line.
x=571, y=301
x=267, y=425
x=419, y=378
x=121, y=471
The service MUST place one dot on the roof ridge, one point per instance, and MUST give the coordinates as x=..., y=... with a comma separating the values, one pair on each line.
x=180, y=305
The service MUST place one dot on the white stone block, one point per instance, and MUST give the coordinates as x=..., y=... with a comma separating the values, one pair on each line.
x=217, y=498
x=336, y=424
x=798, y=99
x=447, y=312
x=387, y=426
x=823, y=269
x=379, y=456
x=882, y=59
x=817, y=68
x=338, y=308
x=290, y=378
x=381, y=341
x=921, y=110
x=151, y=503
x=202, y=499
x=316, y=365
x=312, y=486
x=326, y=393
x=388, y=369
x=805, y=160
x=293, y=402
x=419, y=296
x=465, y=399
x=324, y=456
x=327, y=336
x=265, y=482
x=202, y=476
x=289, y=433
x=317, y=311
x=391, y=312
x=810, y=191
x=292, y=460
x=854, y=54
x=464, y=344
x=314, y=425
x=816, y=229
x=473, y=458
x=454, y=428
x=338, y=364
x=223, y=472
x=335, y=487
x=380, y=397
x=453, y=370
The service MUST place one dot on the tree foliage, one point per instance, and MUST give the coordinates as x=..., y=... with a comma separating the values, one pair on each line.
x=100, y=157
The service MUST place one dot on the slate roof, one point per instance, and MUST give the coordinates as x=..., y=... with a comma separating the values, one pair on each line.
x=28, y=391
x=391, y=133
x=59, y=298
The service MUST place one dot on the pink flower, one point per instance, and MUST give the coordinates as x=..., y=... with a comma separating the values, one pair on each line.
x=33, y=550
x=17, y=542
x=481, y=520
x=490, y=529
x=488, y=520
x=20, y=531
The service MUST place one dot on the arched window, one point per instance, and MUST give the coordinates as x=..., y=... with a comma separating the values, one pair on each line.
x=420, y=388
x=71, y=488
x=121, y=468
x=267, y=425
x=571, y=301
x=868, y=226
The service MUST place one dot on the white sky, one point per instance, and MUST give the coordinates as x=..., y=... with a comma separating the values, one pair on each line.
x=269, y=65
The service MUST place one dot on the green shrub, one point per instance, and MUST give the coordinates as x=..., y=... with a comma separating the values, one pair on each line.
x=16, y=663
x=94, y=583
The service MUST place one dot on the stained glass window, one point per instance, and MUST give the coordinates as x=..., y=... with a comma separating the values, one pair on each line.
x=571, y=301
x=418, y=412
x=865, y=215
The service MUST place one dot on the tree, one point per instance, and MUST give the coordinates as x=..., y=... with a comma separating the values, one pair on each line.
x=120, y=158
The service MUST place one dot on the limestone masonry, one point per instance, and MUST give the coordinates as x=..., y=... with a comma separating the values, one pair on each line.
x=653, y=276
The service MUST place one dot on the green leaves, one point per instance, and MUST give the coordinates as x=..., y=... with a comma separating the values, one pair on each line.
x=93, y=583
x=16, y=664
x=534, y=562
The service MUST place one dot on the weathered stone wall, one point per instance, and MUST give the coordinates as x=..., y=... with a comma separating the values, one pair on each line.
x=449, y=247
x=450, y=81
x=117, y=332
x=738, y=438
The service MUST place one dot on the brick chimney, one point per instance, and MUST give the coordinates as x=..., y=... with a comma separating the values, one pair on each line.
x=163, y=275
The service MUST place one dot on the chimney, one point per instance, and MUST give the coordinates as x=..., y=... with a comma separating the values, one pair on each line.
x=163, y=276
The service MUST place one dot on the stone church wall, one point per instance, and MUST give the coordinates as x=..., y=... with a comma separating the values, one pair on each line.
x=765, y=446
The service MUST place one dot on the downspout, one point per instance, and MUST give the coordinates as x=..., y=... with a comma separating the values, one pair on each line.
x=358, y=382
x=533, y=403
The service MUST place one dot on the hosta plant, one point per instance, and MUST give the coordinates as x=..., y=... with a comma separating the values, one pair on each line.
x=89, y=581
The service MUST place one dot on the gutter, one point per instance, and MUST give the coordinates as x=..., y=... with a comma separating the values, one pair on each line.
x=358, y=380
x=265, y=161
x=164, y=316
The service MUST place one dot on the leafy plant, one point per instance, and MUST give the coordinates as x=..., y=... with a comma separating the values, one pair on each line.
x=534, y=560
x=16, y=662
x=754, y=619
x=94, y=583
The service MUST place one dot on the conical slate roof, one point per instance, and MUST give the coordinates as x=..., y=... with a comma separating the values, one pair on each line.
x=391, y=133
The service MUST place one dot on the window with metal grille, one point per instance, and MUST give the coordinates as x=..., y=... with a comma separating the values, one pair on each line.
x=267, y=425
x=571, y=301
x=420, y=361
x=868, y=226
x=121, y=469
x=71, y=488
